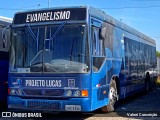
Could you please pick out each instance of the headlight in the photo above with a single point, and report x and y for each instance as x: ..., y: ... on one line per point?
x: 68, y: 93
x: 12, y: 92
x: 77, y: 93
x: 19, y: 91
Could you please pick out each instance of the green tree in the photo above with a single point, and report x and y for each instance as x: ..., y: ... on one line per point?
x: 158, y: 54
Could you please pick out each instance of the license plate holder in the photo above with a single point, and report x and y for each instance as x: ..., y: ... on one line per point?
x: 72, y: 107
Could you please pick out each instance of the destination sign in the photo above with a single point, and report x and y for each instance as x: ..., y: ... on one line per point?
x: 50, y: 15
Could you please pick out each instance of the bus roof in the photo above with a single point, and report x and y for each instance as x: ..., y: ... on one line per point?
x: 103, y: 16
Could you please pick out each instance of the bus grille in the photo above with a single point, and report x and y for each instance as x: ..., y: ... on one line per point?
x: 40, y: 105
x: 38, y: 92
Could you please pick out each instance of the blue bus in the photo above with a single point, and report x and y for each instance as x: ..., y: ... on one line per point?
x: 4, y: 59
x: 76, y: 59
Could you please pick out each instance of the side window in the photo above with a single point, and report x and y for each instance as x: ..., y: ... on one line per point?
x: 97, y: 49
x: 98, y: 45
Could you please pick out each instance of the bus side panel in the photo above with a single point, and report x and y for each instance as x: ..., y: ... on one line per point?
x: 100, y: 86
x: 132, y: 70
x: 119, y: 58
x: 139, y: 58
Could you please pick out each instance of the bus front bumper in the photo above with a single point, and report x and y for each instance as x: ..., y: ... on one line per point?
x: 72, y: 104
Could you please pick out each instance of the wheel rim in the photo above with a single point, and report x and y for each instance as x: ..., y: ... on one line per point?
x: 112, y: 96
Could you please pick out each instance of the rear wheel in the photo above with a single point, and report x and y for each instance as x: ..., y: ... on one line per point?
x: 113, y: 96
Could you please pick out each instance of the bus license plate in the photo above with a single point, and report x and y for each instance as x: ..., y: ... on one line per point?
x: 72, y: 107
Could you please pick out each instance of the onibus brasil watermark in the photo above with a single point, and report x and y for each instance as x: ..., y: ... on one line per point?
x: 19, y: 115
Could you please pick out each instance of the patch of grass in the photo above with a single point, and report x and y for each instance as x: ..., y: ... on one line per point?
x: 158, y: 81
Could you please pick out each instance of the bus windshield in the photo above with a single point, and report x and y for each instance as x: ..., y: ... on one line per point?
x: 53, y: 48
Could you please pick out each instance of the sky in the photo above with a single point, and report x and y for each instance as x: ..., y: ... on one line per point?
x: 143, y: 15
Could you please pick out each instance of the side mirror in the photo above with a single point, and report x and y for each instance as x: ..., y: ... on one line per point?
x: 103, y: 32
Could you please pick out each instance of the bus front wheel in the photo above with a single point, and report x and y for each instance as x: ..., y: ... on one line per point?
x: 113, y: 96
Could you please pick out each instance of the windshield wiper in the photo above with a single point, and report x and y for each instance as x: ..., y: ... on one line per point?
x: 35, y: 57
x: 32, y: 33
x: 58, y: 29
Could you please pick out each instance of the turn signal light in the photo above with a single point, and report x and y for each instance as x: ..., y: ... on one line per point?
x: 84, y: 93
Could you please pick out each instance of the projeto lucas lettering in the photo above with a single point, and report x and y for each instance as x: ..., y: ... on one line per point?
x: 43, y: 83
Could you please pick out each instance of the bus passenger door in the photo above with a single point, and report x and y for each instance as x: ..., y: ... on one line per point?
x: 99, y: 83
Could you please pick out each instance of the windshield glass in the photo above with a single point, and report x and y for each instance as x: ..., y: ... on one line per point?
x: 53, y: 48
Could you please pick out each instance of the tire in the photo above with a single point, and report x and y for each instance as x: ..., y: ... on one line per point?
x: 113, y: 96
